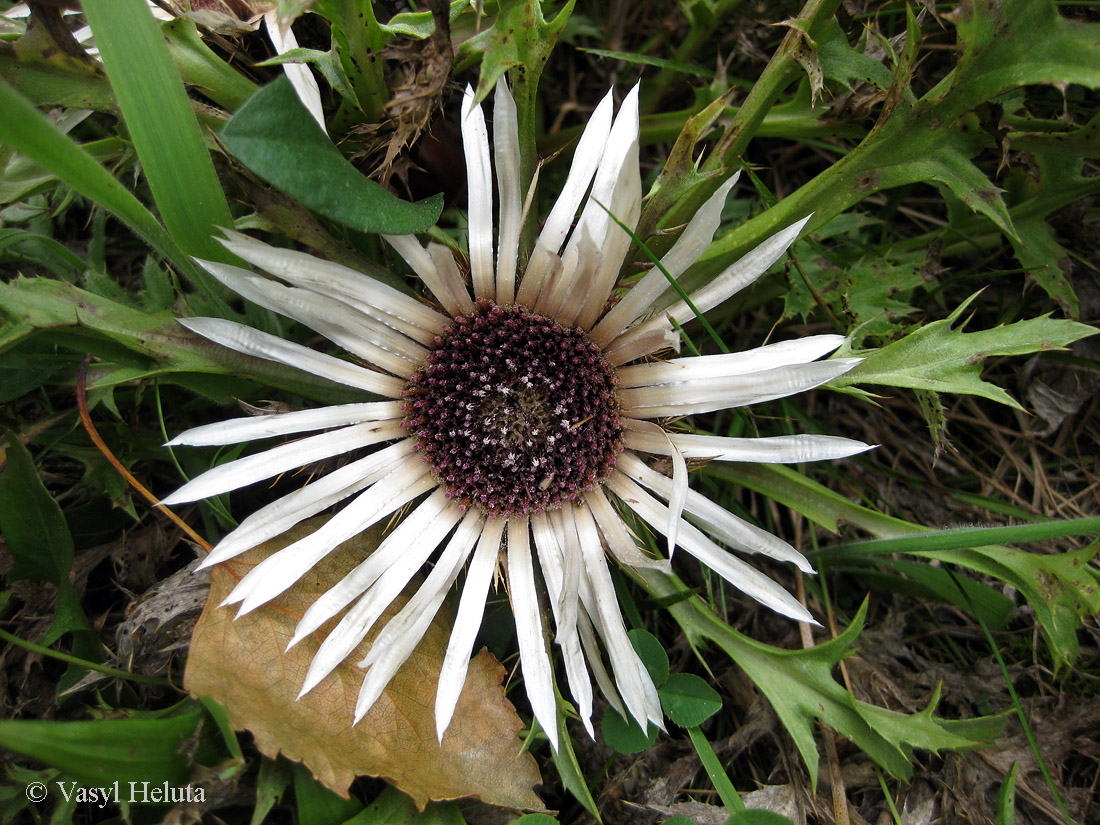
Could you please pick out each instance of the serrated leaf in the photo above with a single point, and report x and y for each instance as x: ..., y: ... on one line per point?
x: 844, y: 64
x: 689, y: 701
x: 243, y: 664
x: 274, y: 135
x: 940, y: 358
x: 923, y: 730
x: 1062, y: 589
x: 800, y: 684
x: 519, y: 37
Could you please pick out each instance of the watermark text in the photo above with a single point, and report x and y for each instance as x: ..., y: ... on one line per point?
x: 116, y: 793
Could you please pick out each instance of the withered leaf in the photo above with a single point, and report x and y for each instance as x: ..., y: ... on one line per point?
x: 242, y: 663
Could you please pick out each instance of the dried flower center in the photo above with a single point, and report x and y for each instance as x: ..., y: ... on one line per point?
x: 515, y: 412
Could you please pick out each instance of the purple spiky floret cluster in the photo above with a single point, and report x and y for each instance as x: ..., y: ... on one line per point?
x: 515, y: 412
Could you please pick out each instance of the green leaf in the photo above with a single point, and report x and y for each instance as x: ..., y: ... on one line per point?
x: 20, y: 246
x: 922, y: 581
x: 688, y: 700
x: 758, y: 817
x: 938, y: 358
x: 625, y: 735
x: 142, y: 344
x: 201, y: 67
x: 844, y: 64
x: 27, y: 131
x: 392, y: 807
x: 647, y: 60
x: 103, y: 751
x: 41, y: 545
x: 1062, y: 589
x: 801, y: 687
x: 565, y: 760
x: 1006, y: 798
x: 275, y: 136
x: 271, y: 783
x: 317, y: 805
x: 535, y: 819
x: 652, y: 653
x: 162, y: 124
x: 923, y: 730
x: 520, y: 37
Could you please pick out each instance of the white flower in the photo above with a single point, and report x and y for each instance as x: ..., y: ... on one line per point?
x: 517, y: 418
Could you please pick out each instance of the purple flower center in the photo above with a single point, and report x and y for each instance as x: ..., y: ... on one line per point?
x: 515, y: 412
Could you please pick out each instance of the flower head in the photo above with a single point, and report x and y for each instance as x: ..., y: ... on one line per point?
x: 517, y: 421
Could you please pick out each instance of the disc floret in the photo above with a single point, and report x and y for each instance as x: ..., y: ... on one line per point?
x: 515, y: 412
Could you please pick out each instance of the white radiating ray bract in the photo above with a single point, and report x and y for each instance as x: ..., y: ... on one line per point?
x: 520, y: 424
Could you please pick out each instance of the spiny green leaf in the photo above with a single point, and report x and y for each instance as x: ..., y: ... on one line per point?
x: 939, y: 358
x: 276, y: 137
x: 1062, y: 589
x: 926, y: 731
x: 801, y: 687
x: 844, y: 64
x: 520, y: 37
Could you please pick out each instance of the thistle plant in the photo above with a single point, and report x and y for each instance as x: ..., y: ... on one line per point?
x: 483, y: 478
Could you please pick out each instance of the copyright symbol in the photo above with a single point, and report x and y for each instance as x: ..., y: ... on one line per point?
x: 36, y: 791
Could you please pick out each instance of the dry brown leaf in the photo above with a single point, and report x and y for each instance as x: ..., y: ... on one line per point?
x: 242, y: 664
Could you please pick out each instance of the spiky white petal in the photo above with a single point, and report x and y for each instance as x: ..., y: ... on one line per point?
x: 237, y: 430
x: 745, y: 578
x: 251, y: 341
x: 692, y: 242
x: 479, y: 178
x: 397, y: 640
x: 471, y: 609
x: 248, y: 470
x: 534, y: 659
x: 276, y: 518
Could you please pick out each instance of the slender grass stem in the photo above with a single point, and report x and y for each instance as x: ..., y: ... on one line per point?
x: 1016, y: 704
x: 728, y: 794
x: 84, y: 663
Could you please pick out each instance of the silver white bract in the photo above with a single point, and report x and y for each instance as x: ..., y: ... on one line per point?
x: 569, y: 278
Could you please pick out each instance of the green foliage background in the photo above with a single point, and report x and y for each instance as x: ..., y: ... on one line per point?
x: 948, y: 159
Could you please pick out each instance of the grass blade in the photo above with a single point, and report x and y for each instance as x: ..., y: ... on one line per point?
x: 162, y: 124
x: 26, y: 131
